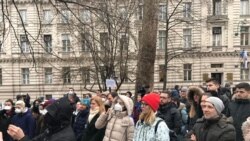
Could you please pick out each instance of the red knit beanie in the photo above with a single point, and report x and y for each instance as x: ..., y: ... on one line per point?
x: 153, y: 100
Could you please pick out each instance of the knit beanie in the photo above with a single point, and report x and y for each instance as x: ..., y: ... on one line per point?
x: 218, y: 104
x: 153, y: 100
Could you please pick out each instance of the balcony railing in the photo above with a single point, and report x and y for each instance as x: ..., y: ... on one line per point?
x: 217, y: 48
x: 217, y: 18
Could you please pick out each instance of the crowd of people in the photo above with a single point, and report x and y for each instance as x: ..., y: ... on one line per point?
x: 194, y: 113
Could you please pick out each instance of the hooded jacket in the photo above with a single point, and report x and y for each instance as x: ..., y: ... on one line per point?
x: 195, y: 107
x: 120, y: 126
x: 57, y: 120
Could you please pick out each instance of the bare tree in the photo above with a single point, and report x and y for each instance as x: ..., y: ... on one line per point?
x: 147, y: 50
x: 101, y: 31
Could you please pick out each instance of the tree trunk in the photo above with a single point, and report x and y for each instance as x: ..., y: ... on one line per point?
x: 147, y: 51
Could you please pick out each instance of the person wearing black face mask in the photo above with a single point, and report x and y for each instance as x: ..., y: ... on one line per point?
x: 57, y: 120
x: 213, y: 87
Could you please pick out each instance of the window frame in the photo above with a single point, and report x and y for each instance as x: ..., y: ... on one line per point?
x: 244, y: 7
x: 244, y: 35
x: 187, y: 38
x: 48, y: 74
x: 187, y: 9
x: 47, y: 16
x: 66, y: 44
x: 217, y: 36
x: 187, y: 72
x: 65, y: 16
x: 24, y: 43
x: 66, y: 75
x: 162, y: 14
x: 161, y: 39
x: 25, y: 76
x: 217, y: 7
x: 48, y: 43
x: 23, y: 16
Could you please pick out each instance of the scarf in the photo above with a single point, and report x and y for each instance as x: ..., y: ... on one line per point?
x: 92, y: 113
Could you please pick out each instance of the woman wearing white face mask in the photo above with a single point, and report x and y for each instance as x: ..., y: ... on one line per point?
x: 120, y: 126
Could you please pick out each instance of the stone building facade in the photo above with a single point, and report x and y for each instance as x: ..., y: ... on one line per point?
x: 205, y: 40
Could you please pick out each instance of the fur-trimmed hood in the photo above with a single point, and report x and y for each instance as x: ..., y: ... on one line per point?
x: 194, y: 90
x: 127, y: 102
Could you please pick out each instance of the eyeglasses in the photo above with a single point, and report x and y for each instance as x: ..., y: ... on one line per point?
x: 144, y: 104
x: 162, y: 97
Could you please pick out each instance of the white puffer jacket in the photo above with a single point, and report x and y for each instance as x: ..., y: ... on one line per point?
x: 120, y: 126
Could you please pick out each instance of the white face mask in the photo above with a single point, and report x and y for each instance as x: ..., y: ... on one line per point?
x: 43, y: 112
x: 7, y: 107
x: 118, y: 107
x: 103, y: 99
x: 18, y: 111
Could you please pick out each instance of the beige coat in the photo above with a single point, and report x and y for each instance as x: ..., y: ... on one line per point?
x: 120, y: 126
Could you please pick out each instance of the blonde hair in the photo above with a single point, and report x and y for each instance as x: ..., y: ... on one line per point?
x: 192, y: 112
x: 246, y: 127
x: 99, y: 102
x: 20, y: 103
x: 149, y: 117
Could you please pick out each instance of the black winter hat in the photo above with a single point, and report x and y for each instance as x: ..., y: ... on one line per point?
x: 61, y: 110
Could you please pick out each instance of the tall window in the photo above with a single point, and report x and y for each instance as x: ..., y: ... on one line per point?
x: 66, y: 75
x: 244, y: 72
x: 187, y: 38
x: 23, y: 14
x: 85, y: 74
x: 47, y: 43
x: 85, y: 16
x: 47, y: 16
x: 187, y: 10
x: 244, y: 7
x: 1, y: 77
x: 217, y: 36
x: 162, y: 39
x: 216, y: 7
x: 104, y: 40
x: 65, y: 16
x: 162, y: 14
x: 244, y: 35
x: 124, y: 41
x: 48, y: 75
x: 187, y: 70
x: 25, y: 76
x: 24, y: 44
x: 161, y: 73
x: 86, y: 42
x: 66, y: 42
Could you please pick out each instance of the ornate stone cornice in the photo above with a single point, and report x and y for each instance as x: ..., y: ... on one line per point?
x: 209, y: 54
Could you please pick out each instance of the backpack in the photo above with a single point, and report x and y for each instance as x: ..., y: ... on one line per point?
x: 172, y: 134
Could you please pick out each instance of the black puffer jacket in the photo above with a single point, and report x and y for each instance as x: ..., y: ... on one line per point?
x: 214, y: 130
x: 171, y: 115
x: 66, y: 134
x: 239, y: 110
x: 57, y: 120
